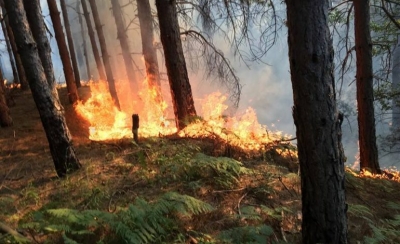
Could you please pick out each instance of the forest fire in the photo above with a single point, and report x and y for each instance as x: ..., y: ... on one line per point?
x: 107, y: 122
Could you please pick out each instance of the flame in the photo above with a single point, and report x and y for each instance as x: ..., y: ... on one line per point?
x: 107, y: 122
x: 243, y: 131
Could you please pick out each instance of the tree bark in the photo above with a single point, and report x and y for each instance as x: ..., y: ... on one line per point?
x: 85, y: 53
x: 181, y: 91
x: 396, y: 87
x: 70, y: 43
x: 50, y: 109
x: 92, y: 38
x: 21, y: 72
x: 123, y: 40
x: 317, y: 122
x: 9, y: 50
x: 104, y: 52
x: 149, y: 52
x: 5, y: 117
x: 38, y: 29
x: 365, y: 88
x: 63, y: 50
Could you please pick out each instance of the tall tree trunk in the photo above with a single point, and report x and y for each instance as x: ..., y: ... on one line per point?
x: 104, y: 52
x: 70, y: 43
x: 317, y: 122
x: 5, y: 117
x: 123, y: 40
x: 181, y: 92
x: 365, y: 88
x: 63, y: 50
x: 9, y: 50
x: 50, y: 109
x: 149, y: 52
x: 38, y: 29
x: 85, y: 53
x: 21, y: 72
x: 396, y: 87
x: 92, y: 38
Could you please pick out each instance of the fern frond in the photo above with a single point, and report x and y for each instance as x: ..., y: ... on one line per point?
x: 393, y: 205
x: 141, y: 222
x: 359, y: 210
x: 246, y: 234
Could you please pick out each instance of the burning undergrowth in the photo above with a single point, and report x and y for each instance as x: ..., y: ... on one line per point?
x: 242, y: 131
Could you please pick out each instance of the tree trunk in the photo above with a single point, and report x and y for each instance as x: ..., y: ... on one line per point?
x: 5, y: 117
x: 21, y: 72
x: 181, y: 92
x: 396, y: 87
x: 317, y: 122
x: 38, y: 29
x: 365, y: 88
x: 63, y: 50
x: 9, y: 50
x: 85, y: 53
x: 123, y: 40
x: 50, y: 109
x: 104, y: 52
x: 149, y: 52
x: 70, y: 43
x: 92, y: 38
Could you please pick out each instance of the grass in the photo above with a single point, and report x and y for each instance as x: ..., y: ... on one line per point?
x: 255, y: 196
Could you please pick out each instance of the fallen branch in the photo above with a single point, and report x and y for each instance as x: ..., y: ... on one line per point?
x: 5, y: 229
x: 280, y: 179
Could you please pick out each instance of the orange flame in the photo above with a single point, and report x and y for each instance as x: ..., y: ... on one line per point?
x: 243, y: 131
x: 106, y: 122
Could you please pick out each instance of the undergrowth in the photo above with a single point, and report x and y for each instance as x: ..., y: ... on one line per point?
x: 165, y: 191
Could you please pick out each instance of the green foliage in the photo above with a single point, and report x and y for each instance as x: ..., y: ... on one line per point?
x: 359, y: 210
x: 247, y: 234
x: 387, y: 232
x: 141, y: 222
x: 223, y: 171
x: 394, y: 205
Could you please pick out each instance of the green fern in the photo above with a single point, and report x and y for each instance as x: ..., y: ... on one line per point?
x: 247, y: 234
x: 393, y: 205
x: 141, y: 222
x: 359, y: 210
x: 388, y: 231
x: 223, y: 171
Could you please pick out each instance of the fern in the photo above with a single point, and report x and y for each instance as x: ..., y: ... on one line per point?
x: 223, y: 171
x: 141, y: 222
x: 387, y: 232
x: 393, y: 205
x: 247, y: 234
x: 359, y: 210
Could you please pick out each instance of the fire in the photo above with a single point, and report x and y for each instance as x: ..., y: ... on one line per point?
x: 242, y: 131
x: 107, y: 122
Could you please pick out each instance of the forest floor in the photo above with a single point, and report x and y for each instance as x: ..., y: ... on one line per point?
x: 167, y: 190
